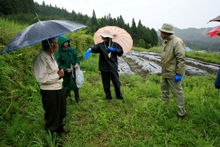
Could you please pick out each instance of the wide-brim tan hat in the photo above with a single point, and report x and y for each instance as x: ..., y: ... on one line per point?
x: 167, y: 28
x: 106, y: 34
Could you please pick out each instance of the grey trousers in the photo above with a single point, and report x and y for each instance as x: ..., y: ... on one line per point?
x: 168, y: 85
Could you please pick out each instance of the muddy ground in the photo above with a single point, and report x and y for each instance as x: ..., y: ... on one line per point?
x: 143, y: 63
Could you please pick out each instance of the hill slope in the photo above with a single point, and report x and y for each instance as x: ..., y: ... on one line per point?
x: 197, y: 39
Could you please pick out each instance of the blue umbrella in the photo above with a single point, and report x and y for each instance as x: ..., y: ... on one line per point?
x: 40, y: 31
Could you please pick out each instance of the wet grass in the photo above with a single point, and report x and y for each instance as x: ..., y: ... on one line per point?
x: 211, y: 57
x: 140, y: 120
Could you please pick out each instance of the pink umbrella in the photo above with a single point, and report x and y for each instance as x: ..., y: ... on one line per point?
x: 214, y: 33
x: 121, y: 36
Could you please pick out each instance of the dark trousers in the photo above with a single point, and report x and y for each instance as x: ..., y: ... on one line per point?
x: 54, y: 104
x: 76, y: 92
x: 114, y: 77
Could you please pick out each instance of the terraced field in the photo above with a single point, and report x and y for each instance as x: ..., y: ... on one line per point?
x: 143, y: 63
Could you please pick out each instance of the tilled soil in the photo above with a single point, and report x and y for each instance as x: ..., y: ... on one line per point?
x: 143, y: 63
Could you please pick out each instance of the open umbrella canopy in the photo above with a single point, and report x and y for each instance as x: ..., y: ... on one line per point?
x: 215, y: 19
x: 122, y: 37
x: 214, y: 32
x: 40, y: 31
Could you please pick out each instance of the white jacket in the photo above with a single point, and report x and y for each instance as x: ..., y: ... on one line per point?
x: 45, y: 68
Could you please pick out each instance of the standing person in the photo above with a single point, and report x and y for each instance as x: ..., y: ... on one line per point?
x: 67, y: 59
x: 108, y: 63
x: 173, y: 67
x: 47, y: 73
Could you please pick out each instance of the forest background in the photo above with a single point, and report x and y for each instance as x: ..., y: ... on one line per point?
x: 24, y: 12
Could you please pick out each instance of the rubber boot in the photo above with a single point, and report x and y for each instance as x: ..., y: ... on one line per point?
x: 76, y: 92
x: 71, y: 101
x: 68, y: 95
x: 60, y: 130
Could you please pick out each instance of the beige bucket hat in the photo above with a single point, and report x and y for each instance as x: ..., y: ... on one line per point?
x: 167, y: 28
x: 106, y: 34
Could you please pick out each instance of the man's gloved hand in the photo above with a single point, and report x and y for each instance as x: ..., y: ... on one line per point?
x: 177, y: 78
x: 111, y: 49
x: 87, y: 53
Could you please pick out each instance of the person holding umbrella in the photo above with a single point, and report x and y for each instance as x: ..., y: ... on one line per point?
x: 173, y: 62
x: 47, y: 73
x: 67, y: 59
x: 45, y: 67
x: 108, y: 63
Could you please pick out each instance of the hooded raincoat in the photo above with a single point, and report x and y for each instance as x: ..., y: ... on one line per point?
x: 67, y: 58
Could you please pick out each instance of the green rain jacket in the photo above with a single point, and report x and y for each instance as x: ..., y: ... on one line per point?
x: 173, y: 57
x: 67, y: 58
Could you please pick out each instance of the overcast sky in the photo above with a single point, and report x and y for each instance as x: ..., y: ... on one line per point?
x: 152, y: 13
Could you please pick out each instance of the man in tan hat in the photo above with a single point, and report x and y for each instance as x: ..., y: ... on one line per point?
x: 108, y: 63
x: 173, y: 67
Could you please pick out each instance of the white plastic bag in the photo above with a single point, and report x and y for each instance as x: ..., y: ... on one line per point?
x: 79, y: 77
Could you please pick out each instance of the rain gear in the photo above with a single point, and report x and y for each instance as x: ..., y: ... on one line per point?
x: 107, y: 64
x: 109, y: 67
x: 173, y: 57
x: 67, y: 58
x: 173, y: 62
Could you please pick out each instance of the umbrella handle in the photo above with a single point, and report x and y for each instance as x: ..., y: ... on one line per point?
x: 109, y: 55
x: 109, y: 45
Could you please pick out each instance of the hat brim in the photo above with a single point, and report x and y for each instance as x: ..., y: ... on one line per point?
x: 169, y: 32
x: 106, y: 36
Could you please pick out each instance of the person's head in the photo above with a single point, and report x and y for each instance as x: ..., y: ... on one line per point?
x: 106, y: 35
x: 63, y: 41
x: 65, y: 44
x: 166, y: 30
x: 50, y: 45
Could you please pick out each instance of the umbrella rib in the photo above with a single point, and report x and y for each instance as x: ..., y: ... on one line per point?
x: 40, y: 31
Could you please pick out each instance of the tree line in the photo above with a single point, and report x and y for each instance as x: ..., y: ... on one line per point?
x: 25, y: 12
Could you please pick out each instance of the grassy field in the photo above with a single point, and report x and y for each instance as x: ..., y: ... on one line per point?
x: 140, y: 120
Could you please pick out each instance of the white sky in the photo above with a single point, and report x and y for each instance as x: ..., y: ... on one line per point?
x: 152, y: 13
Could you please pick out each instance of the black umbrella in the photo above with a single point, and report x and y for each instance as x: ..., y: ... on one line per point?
x: 40, y: 31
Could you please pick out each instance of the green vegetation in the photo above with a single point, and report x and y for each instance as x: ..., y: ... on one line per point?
x: 197, y: 39
x: 24, y: 11
x: 140, y: 120
x: 207, y: 56
x: 153, y: 49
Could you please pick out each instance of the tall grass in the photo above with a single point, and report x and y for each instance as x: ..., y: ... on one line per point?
x: 139, y: 120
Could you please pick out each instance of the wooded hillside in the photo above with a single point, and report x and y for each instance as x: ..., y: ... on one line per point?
x: 25, y: 12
